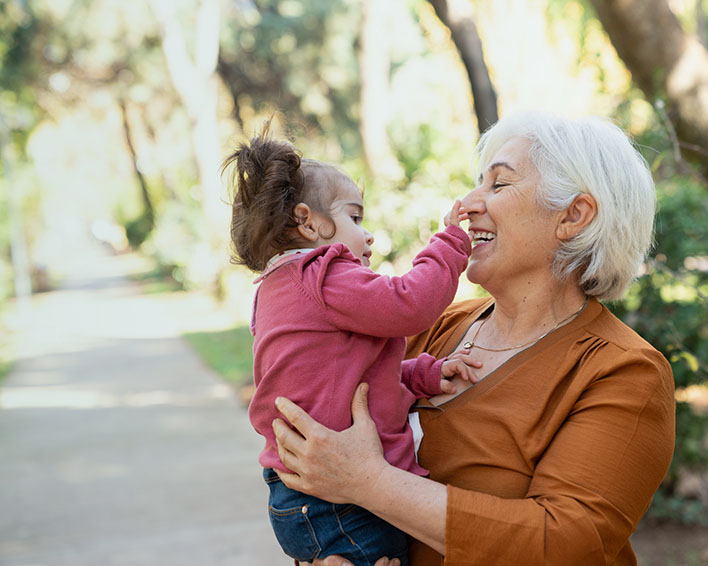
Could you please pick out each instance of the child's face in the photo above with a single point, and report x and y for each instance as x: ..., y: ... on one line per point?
x: 347, y: 212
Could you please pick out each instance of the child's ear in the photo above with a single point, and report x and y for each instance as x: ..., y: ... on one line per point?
x: 577, y: 216
x: 305, y: 222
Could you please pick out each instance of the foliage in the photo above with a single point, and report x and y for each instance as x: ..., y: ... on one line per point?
x: 64, y: 66
x: 665, y: 507
x: 138, y: 229
x: 668, y: 306
x: 296, y: 57
x: 157, y: 280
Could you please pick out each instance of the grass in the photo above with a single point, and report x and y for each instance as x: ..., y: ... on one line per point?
x: 5, y: 363
x: 5, y: 367
x: 228, y: 352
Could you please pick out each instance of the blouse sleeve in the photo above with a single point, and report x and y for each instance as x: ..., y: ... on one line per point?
x: 590, y: 487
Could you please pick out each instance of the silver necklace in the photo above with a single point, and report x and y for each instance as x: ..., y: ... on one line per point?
x: 471, y: 343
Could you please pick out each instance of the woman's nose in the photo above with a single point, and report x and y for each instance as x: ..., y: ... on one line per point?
x: 474, y: 201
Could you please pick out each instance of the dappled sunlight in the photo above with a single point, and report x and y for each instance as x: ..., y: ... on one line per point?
x: 689, y: 74
x: 696, y: 395
x: 115, y: 237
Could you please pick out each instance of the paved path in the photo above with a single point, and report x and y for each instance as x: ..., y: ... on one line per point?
x: 117, y: 445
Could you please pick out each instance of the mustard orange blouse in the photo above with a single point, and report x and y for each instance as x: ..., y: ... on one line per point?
x: 553, y: 458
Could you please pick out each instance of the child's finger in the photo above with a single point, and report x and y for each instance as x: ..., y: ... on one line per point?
x: 470, y: 361
x: 454, y: 214
x: 447, y: 386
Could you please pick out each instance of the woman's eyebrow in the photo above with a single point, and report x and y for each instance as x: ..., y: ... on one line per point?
x: 497, y: 165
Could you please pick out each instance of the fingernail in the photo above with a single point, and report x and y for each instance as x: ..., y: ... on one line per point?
x: 278, y: 401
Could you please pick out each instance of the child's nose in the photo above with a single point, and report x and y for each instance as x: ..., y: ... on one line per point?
x: 369, y: 237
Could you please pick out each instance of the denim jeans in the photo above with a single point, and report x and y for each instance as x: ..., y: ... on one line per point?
x: 307, y: 528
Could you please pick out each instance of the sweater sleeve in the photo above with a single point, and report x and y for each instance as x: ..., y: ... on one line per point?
x: 422, y: 375
x: 590, y: 487
x: 357, y: 299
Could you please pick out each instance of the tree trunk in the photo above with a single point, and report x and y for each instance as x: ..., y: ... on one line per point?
x: 375, y: 69
x: 455, y: 14
x: 149, y: 211
x: 666, y: 63
x: 228, y: 76
x: 196, y: 82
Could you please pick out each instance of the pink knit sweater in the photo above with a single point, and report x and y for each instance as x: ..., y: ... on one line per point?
x: 323, y: 323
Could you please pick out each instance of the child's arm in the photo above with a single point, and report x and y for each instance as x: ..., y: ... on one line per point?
x: 359, y: 300
x: 426, y: 376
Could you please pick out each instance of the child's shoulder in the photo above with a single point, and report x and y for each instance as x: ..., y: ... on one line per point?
x: 321, y: 258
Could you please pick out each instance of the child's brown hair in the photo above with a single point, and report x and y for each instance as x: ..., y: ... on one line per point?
x: 268, y: 181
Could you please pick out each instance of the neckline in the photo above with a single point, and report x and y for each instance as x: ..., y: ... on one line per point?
x: 280, y: 259
x: 591, y: 310
x: 472, y: 343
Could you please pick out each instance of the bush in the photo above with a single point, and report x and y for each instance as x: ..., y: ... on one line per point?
x: 668, y: 306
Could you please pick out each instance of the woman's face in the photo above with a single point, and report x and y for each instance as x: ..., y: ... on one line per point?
x: 513, y: 238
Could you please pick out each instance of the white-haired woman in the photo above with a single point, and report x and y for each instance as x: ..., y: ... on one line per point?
x: 553, y: 457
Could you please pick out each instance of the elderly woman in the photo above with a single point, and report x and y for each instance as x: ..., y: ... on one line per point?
x: 553, y: 457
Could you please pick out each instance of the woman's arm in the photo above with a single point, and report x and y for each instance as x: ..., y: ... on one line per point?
x: 588, y: 492
x: 355, y: 471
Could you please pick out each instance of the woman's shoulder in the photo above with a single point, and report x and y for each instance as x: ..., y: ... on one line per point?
x: 612, y: 330
x: 615, y: 345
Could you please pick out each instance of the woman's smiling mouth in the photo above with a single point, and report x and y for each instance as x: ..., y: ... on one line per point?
x: 481, y: 236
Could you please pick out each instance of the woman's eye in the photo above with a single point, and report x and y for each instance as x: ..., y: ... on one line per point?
x: 498, y: 186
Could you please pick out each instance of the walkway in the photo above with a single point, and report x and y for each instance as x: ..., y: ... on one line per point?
x: 117, y: 445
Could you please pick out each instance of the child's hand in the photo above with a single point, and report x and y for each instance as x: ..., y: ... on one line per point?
x: 461, y: 364
x: 456, y: 215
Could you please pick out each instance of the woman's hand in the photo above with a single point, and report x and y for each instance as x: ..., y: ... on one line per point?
x: 335, y: 560
x: 341, y: 467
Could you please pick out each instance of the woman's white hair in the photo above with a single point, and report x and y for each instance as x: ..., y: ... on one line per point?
x: 593, y: 156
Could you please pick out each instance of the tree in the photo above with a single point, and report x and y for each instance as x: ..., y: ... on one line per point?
x: 456, y: 16
x: 375, y: 65
x: 19, y: 55
x: 667, y: 64
x: 196, y: 82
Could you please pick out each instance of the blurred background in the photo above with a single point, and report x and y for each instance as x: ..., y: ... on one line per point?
x: 115, y: 117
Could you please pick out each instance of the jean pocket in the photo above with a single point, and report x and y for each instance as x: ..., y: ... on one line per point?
x: 293, y: 529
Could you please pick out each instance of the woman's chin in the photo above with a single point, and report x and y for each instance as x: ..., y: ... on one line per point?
x: 474, y: 272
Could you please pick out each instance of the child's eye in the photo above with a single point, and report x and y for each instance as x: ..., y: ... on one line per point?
x: 356, y: 218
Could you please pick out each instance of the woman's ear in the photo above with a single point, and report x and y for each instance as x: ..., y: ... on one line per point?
x: 305, y: 222
x: 577, y: 216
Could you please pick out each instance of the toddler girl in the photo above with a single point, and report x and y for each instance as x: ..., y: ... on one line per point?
x: 324, y: 322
